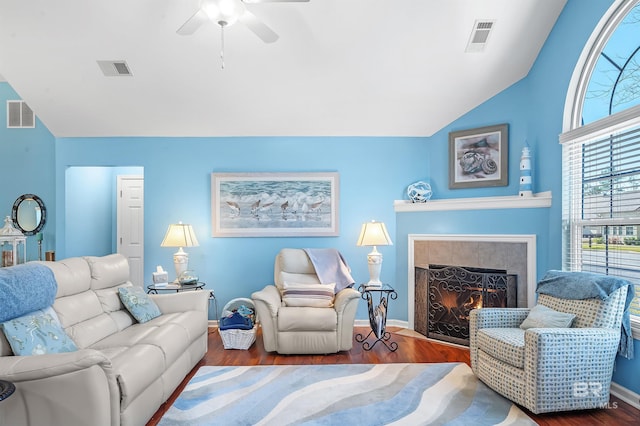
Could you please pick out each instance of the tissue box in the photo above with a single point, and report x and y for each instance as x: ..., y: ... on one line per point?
x: 160, y: 277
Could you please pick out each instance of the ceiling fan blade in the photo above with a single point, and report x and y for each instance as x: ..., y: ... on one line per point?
x: 258, y: 27
x: 193, y: 23
x: 274, y: 1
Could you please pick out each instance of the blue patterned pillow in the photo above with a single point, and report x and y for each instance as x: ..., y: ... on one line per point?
x: 541, y: 316
x: 138, y: 303
x: 37, y: 333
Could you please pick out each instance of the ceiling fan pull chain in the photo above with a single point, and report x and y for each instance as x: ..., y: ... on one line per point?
x: 222, y: 24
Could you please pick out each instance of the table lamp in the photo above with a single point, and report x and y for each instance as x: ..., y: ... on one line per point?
x: 180, y: 235
x: 374, y: 234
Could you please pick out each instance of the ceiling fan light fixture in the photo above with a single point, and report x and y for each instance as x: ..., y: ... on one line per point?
x: 224, y: 12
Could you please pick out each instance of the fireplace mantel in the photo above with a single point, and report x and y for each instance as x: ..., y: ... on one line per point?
x: 539, y: 200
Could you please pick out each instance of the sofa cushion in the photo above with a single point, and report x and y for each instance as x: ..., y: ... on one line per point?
x: 587, y: 311
x: 108, y: 271
x: 37, y: 333
x: 542, y: 317
x: 136, y: 376
x: 505, y: 344
x: 312, y: 295
x: 139, y: 303
x: 72, y: 275
x: 83, y: 319
x: 307, y: 319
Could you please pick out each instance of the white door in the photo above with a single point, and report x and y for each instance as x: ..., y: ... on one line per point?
x: 130, y: 224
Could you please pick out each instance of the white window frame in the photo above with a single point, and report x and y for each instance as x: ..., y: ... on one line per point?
x: 574, y: 133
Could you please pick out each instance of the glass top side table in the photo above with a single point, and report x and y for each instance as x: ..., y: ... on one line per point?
x: 377, y: 315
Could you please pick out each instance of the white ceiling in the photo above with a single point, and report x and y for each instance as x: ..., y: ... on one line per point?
x: 339, y: 68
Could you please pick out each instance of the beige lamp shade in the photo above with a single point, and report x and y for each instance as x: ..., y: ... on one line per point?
x: 374, y: 234
x: 180, y: 235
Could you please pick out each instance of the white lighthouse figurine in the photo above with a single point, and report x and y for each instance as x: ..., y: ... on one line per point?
x: 526, y: 183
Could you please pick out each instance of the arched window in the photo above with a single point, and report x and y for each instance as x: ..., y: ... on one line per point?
x: 614, y: 84
x: 601, y: 153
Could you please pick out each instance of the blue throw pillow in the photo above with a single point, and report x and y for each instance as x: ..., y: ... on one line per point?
x: 138, y: 303
x: 37, y: 333
x: 541, y: 316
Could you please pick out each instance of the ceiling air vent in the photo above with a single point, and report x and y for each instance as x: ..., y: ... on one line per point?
x: 20, y: 116
x: 115, y: 68
x: 479, y: 35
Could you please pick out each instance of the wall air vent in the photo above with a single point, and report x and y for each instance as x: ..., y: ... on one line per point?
x: 115, y: 68
x: 20, y: 116
x: 479, y: 35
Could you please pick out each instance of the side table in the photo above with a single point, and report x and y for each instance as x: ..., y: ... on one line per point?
x: 377, y: 315
x: 154, y: 288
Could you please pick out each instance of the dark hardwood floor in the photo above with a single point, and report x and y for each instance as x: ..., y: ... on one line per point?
x: 410, y: 349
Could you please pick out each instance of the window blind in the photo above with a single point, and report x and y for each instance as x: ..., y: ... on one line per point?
x: 601, y: 203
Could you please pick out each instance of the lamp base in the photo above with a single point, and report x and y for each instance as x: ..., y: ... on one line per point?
x: 374, y: 259
x: 180, y: 262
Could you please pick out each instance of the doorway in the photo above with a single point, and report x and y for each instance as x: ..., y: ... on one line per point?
x: 91, y: 214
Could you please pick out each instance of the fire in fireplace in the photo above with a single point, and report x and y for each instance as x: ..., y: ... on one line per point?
x: 453, y: 291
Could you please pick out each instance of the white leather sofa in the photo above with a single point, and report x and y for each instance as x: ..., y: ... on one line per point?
x: 303, y: 330
x: 123, y: 370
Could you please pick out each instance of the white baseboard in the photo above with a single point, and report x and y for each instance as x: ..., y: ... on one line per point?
x: 628, y: 396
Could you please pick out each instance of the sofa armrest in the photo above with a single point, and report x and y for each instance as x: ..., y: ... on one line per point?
x: 196, y: 300
x: 20, y: 368
x: 267, y: 303
x: 573, y: 341
x: 575, y: 365
x: 491, y: 318
x: 497, y: 317
x: 343, y: 297
x: 269, y: 299
x: 68, y: 388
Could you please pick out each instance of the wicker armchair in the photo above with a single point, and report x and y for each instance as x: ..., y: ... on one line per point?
x: 550, y: 369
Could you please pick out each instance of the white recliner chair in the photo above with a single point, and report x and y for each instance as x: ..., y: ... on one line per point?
x: 303, y: 329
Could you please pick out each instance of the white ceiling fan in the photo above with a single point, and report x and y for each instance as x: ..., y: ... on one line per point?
x: 227, y: 12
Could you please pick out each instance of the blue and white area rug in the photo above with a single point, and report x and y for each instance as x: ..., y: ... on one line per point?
x: 343, y: 394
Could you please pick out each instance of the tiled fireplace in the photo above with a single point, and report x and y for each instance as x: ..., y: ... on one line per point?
x: 512, y: 256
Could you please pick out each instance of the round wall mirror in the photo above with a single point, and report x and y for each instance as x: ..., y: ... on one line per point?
x: 29, y: 214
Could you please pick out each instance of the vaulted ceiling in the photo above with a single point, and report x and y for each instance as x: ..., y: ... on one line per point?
x: 339, y: 67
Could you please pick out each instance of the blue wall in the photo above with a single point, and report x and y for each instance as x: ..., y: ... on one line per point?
x: 27, y: 158
x: 90, y: 209
x: 373, y: 173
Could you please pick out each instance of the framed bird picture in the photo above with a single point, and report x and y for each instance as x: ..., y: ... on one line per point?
x: 275, y: 204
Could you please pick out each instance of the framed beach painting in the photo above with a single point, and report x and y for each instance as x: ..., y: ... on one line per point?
x: 274, y: 204
x: 479, y: 157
